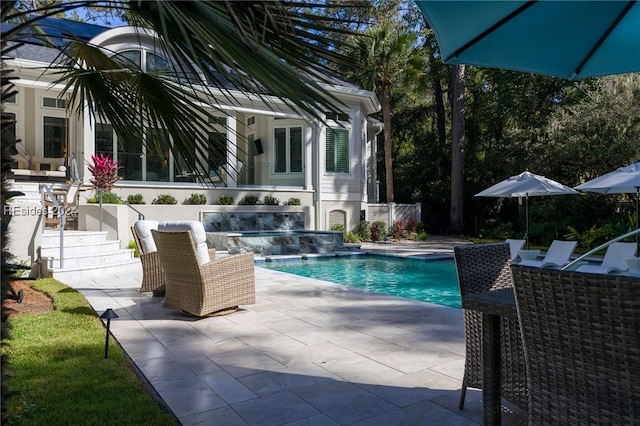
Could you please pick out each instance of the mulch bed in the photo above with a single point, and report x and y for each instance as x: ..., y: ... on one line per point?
x: 33, y: 302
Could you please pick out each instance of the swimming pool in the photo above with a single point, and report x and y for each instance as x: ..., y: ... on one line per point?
x: 432, y: 281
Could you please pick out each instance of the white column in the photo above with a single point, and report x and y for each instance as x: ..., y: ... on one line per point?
x: 232, y: 149
x: 88, y: 142
x: 309, y: 160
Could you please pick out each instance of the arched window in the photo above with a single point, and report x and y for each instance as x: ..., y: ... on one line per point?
x: 143, y: 60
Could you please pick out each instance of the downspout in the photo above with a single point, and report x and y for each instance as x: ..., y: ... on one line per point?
x: 316, y: 163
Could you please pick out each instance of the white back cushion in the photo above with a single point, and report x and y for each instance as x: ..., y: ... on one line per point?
x: 197, y: 232
x: 143, y: 229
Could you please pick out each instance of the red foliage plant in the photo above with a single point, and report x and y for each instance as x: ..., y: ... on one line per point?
x: 104, y: 171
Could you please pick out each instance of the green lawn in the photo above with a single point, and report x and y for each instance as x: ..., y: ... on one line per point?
x: 56, y: 363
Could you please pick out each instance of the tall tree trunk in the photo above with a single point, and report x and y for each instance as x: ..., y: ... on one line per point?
x: 388, y: 154
x: 456, y: 218
x: 440, y: 113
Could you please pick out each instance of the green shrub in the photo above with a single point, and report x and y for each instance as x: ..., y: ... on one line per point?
x: 135, y: 199
x: 423, y: 236
x: 250, y: 200
x: 378, y: 230
x: 499, y: 231
x: 165, y: 199
x: 337, y: 227
x: 199, y: 199
x: 591, y: 237
x: 293, y: 201
x: 133, y: 246
x: 226, y: 200
x: 364, y: 230
x: 270, y: 200
x: 351, y: 237
x: 107, y: 198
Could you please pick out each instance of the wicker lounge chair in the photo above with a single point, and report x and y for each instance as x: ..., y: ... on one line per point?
x: 152, y: 275
x: 485, y: 267
x: 581, y: 336
x: 196, y: 284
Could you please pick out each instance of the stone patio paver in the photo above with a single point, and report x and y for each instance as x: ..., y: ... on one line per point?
x: 308, y: 352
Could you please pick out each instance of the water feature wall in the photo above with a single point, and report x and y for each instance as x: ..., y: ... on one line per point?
x: 262, y: 220
x: 267, y: 233
x: 278, y: 243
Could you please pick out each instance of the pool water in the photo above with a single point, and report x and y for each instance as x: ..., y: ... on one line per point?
x: 432, y: 281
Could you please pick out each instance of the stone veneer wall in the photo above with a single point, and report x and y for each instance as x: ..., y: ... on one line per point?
x: 252, y: 221
x: 285, y: 243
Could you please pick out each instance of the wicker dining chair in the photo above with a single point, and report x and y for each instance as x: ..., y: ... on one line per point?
x: 152, y: 274
x: 199, y: 286
x: 485, y: 267
x: 581, y: 336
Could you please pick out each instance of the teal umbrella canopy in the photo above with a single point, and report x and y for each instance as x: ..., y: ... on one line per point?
x: 569, y: 39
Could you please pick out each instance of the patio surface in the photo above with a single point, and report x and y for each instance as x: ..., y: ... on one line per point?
x: 308, y: 352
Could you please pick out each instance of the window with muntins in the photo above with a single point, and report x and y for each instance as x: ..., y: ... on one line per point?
x: 54, y: 103
x: 337, y: 151
x: 288, y: 149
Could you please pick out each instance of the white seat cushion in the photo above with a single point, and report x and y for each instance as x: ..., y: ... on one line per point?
x: 197, y: 232
x: 143, y: 229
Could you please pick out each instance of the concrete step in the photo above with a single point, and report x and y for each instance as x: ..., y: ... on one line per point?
x: 81, y: 249
x: 31, y: 191
x: 96, y: 260
x: 86, y: 254
x: 51, y: 238
x: 78, y: 273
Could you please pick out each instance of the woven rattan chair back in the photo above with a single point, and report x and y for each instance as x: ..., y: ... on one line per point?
x: 153, y: 278
x: 485, y: 267
x: 204, y: 289
x: 581, y: 336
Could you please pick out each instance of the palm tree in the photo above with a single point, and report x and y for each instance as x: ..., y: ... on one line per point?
x: 385, y: 56
x: 272, y: 48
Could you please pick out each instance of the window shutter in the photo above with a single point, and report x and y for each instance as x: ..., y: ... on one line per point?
x: 342, y: 151
x: 330, y: 151
x: 337, y: 155
x: 280, y: 141
x: 295, y: 137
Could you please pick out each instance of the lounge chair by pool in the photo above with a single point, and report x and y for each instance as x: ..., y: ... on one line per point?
x: 613, y: 260
x: 557, y: 256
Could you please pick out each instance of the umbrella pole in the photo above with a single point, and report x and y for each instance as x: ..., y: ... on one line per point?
x: 638, y: 218
x: 526, y: 209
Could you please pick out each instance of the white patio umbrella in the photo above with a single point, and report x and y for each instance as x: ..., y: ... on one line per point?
x: 526, y: 185
x: 625, y: 180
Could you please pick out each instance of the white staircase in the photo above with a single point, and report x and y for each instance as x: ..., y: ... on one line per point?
x: 85, y: 254
x: 31, y: 191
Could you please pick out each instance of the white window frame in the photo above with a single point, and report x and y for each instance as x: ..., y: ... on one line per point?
x: 288, y: 150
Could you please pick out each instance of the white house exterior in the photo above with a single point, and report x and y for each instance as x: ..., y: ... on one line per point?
x: 329, y: 167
